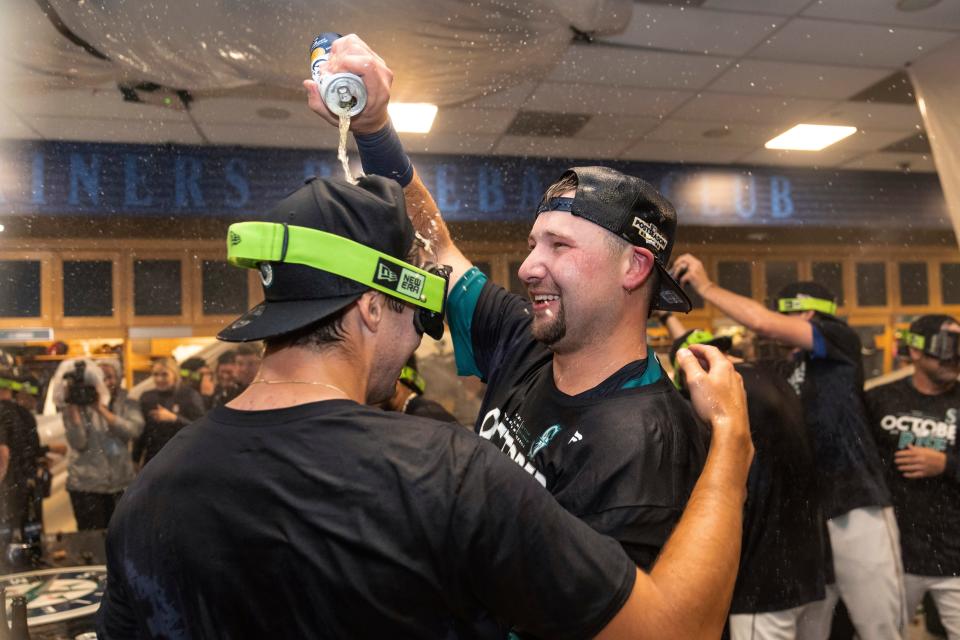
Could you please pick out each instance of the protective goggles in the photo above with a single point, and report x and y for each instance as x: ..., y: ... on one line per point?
x: 790, y: 305
x: 412, y: 378
x: 251, y: 243
x: 195, y: 376
x: 15, y: 385
x: 944, y: 345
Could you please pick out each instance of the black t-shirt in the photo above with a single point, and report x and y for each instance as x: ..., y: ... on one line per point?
x: 928, y: 509
x: 829, y: 380
x: 623, y: 457
x: 338, y: 520
x: 20, y: 427
x: 420, y: 406
x: 782, y: 561
x: 182, y: 400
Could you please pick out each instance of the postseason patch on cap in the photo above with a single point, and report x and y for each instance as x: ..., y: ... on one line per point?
x: 399, y: 279
x: 650, y: 233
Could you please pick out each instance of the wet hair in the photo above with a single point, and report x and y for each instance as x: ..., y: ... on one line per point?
x: 317, y: 336
x: 568, y: 182
x: 248, y: 350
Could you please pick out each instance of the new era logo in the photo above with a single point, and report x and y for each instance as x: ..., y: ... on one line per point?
x: 386, y: 274
x: 234, y: 238
x: 576, y: 437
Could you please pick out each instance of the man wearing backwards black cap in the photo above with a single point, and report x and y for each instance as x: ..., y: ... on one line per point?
x: 573, y: 394
x: 783, y: 555
x: 826, y: 371
x: 915, y: 425
x: 298, y: 511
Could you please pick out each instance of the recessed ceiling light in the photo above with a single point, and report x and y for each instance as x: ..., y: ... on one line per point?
x: 916, y: 5
x: 273, y: 113
x: 2, y: 228
x: 810, y: 137
x: 412, y: 117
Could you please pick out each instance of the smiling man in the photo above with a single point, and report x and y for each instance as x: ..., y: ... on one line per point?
x: 574, y: 396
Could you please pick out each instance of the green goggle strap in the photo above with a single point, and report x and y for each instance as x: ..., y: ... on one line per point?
x: 187, y: 374
x: 6, y: 383
x: 913, y: 340
x: 788, y: 305
x: 14, y: 385
x: 251, y: 243
x: 410, y: 376
x: 699, y: 336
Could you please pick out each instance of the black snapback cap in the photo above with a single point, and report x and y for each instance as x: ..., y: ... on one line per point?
x: 371, y: 212
x: 634, y: 210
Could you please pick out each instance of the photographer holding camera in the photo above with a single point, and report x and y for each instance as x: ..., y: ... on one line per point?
x: 100, y: 422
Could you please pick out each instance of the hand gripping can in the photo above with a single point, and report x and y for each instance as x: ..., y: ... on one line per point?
x: 343, y: 93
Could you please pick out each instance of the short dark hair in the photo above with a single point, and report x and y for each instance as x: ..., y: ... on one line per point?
x: 227, y: 357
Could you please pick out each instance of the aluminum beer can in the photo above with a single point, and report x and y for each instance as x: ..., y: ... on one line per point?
x: 343, y: 93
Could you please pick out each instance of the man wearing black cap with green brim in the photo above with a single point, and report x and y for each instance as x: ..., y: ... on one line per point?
x: 826, y: 371
x: 784, y: 553
x: 915, y: 425
x: 574, y: 395
x: 299, y: 511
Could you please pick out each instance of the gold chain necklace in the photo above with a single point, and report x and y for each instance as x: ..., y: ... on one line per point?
x: 321, y: 384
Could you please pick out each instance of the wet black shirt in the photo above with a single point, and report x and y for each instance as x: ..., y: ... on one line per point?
x: 623, y: 457
x: 337, y: 520
x: 783, y: 557
x: 829, y: 380
x: 927, y: 509
x: 425, y: 408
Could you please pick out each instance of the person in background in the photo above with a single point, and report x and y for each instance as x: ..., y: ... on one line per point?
x: 99, y: 465
x: 826, y: 371
x: 226, y: 377
x: 197, y: 373
x: 914, y: 422
x: 783, y: 562
x: 408, y: 396
x: 247, y: 364
x: 23, y: 442
x: 166, y: 409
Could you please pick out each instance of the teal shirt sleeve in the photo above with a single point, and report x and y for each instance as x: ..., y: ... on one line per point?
x: 461, y: 304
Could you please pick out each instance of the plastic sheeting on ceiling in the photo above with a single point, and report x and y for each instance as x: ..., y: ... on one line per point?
x: 442, y: 51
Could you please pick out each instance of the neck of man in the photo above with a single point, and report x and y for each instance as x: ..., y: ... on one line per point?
x: 296, y: 376
x: 586, y: 367
x: 928, y: 386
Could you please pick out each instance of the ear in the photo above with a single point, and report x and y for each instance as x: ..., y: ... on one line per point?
x: 371, y: 307
x: 639, y: 268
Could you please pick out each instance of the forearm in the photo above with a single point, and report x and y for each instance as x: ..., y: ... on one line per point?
x: 428, y: 222
x: 674, y: 327
x: 75, y: 428
x: 120, y: 426
x: 4, y: 461
x: 745, y: 311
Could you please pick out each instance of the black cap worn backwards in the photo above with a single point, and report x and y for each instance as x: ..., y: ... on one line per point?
x: 633, y: 210
x: 372, y: 213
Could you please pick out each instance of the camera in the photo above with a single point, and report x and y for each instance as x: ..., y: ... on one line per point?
x: 79, y: 392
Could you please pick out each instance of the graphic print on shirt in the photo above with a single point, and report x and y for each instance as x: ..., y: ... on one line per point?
x: 544, y: 439
x: 798, y: 377
x: 921, y: 430
x: 511, y: 437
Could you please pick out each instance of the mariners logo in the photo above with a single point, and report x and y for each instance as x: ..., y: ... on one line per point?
x: 544, y: 440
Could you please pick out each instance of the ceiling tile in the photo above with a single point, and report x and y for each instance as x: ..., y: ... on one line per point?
x: 778, y: 7
x: 623, y: 66
x: 847, y: 43
x: 566, y: 148
x: 110, y: 130
x: 749, y: 109
x: 252, y: 112
x: 88, y: 103
x: 694, y: 30
x: 593, y: 99
x: 475, y: 121
x: 738, y: 134
x: 867, y: 115
x: 866, y: 140
x: 795, y: 79
x: 616, y: 127
x: 945, y: 15
x: 14, y: 128
x: 893, y: 162
x: 512, y: 97
x: 278, y: 135
x: 829, y: 157
x: 683, y: 152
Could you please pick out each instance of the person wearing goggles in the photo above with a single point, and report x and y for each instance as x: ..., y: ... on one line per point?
x: 914, y: 423
x: 826, y: 370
